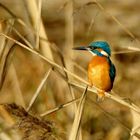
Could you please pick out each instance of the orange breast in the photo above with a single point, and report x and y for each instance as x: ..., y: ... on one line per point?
x: 98, y: 73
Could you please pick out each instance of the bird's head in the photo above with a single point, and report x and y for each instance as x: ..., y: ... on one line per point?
x: 100, y: 48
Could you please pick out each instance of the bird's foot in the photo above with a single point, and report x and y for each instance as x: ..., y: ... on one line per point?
x: 100, y: 96
x: 90, y: 85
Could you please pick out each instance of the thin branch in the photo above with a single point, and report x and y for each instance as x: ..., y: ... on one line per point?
x: 22, y: 37
x: 15, y: 17
x: 133, y: 48
x: 114, y: 118
x: 38, y: 23
x: 62, y: 57
x: 92, y: 23
x: 134, y: 132
x: 78, y: 116
x: 106, y: 13
x: 8, y: 10
x: 115, y: 98
x: 18, y: 95
x: 116, y: 20
x: 93, y: 89
x: 46, y: 59
x: 6, y: 64
x: 108, y: 114
x: 59, y: 107
x: 130, y: 102
x: 124, y: 52
x: 39, y: 88
x: 69, y: 45
x: 33, y: 12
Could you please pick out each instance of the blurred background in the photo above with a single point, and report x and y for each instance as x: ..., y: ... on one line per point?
x: 68, y: 24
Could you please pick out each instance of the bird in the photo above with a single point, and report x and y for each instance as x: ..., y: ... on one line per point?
x: 101, y: 71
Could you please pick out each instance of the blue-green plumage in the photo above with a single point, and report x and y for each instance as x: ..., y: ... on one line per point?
x: 101, y: 49
x: 112, y: 71
x: 104, y: 46
x: 101, y: 45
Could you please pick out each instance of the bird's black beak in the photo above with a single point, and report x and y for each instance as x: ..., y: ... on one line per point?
x: 81, y: 48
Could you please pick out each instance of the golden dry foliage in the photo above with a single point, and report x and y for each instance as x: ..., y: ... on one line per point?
x: 41, y: 74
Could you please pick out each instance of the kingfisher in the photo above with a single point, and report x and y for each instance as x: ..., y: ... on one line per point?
x: 101, y: 70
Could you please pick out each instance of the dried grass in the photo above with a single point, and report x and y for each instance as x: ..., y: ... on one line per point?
x: 63, y: 78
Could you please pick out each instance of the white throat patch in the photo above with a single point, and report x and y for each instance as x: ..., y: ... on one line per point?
x: 104, y: 53
x: 94, y: 54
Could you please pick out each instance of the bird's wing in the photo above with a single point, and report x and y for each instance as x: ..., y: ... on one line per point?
x: 112, y: 71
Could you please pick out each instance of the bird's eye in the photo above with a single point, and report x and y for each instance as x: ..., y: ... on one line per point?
x: 92, y: 48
